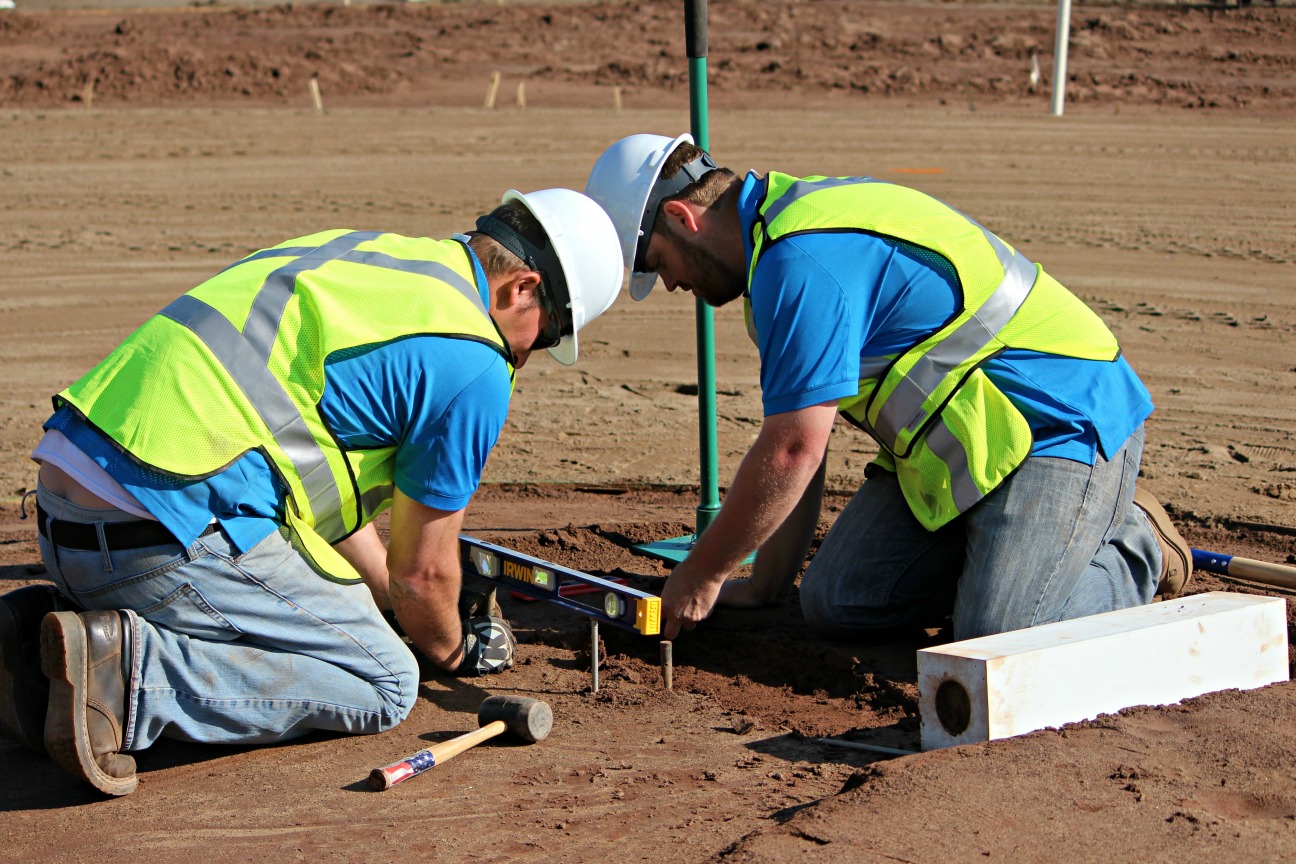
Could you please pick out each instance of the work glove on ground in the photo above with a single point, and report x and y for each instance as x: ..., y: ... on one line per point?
x: 488, y: 646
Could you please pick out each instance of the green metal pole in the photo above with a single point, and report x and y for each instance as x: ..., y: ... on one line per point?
x: 677, y: 549
x: 695, y: 40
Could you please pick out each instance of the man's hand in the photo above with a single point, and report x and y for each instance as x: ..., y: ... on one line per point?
x: 688, y: 597
x: 782, y: 472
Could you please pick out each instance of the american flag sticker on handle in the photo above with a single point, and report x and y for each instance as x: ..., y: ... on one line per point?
x: 390, y: 775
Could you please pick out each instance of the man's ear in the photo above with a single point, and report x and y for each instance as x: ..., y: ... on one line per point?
x: 681, y: 215
x: 528, y: 287
x: 519, y: 288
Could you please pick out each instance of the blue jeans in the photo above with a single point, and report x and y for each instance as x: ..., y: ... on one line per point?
x: 1058, y: 540
x: 237, y: 649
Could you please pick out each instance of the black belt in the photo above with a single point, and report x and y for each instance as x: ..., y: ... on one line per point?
x: 136, y: 534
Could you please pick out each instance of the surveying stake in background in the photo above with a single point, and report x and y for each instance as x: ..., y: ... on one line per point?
x: 611, y: 602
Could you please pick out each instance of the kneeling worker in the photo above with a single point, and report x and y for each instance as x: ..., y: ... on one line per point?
x: 207, y: 492
x: 1010, y: 426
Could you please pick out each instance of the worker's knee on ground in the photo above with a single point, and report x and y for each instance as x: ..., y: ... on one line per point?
x: 836, y: 620
x: 978, y: 623
x: 399, y: 693
x: 842, y: 609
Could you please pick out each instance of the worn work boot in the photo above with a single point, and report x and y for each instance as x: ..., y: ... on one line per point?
x: 1176, y: 554
x: 24, y: 689
x: 82, y: 657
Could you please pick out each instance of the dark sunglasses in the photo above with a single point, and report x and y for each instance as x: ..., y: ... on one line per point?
x: 552, y: 334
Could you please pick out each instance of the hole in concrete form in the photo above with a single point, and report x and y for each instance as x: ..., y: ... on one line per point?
x: 953, y: 707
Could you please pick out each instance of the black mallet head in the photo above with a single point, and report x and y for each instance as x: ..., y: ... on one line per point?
x: 529, y: 719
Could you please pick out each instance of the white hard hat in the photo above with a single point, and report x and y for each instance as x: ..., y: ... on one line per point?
x: 589, y: 269
x: 624, y: 182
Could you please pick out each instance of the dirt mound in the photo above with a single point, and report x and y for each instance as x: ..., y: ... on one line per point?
x: 573, y: 54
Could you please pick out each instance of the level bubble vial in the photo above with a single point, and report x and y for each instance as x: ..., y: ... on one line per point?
x: 485, y: 563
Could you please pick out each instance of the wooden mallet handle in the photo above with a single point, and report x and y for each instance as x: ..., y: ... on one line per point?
x: 416, y: 763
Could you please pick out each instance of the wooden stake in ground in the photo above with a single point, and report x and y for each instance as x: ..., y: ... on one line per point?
x: 594, y: 655
x: 521, y: 96
x: 616, y: 99
x: 87, y: 95
x: 315, y: 95
x: 492, y: 90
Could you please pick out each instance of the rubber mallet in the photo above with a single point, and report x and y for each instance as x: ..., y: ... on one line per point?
x: 528, y: 719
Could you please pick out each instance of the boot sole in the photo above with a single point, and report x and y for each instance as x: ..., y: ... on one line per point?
x: 63, y: 658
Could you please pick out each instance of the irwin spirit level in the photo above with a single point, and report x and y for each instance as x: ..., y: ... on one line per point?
x: 610, y: 602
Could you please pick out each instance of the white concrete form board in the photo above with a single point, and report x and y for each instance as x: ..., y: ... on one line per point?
x: 1014, y: 683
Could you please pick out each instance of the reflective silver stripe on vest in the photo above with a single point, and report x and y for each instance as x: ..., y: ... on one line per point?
x: 262, y: 327
x: 903, y: 409
x: 801, y: 188
x: 963, y: 489
x: 272, y: 404
x: 277, y: 252
x: 246, y: 355
x: 431, y: 269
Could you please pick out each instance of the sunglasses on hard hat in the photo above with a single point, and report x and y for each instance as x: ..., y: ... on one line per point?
x: 552, y: 334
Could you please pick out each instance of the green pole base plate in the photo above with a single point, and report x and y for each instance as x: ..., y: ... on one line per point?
x: 675, y: 549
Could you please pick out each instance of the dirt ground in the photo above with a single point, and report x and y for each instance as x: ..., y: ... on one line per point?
x: 1164, y: 197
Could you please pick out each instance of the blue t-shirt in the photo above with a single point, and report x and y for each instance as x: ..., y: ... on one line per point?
x: 827, y: 305
x: 441, y: 401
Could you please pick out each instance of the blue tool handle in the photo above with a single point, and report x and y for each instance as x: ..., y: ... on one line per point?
x: 1237, y: 567
x: 1211, y: 562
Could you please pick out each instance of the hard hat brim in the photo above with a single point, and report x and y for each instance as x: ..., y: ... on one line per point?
x: 641, y: 285
x: 565, y: 352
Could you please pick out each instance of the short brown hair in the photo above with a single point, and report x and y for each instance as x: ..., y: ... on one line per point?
x: 705, y: 192
x: 495, y: 259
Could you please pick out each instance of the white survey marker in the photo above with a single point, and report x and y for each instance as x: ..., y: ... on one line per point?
x: 1014, y: 683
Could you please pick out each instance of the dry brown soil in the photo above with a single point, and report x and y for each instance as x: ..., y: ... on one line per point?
x: 1165, y: 197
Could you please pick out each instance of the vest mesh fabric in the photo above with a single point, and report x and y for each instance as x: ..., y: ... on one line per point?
x: 956, y: 436
x: 167, y: 399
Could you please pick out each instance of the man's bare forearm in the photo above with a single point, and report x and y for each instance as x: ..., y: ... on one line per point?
x: 364, y: 551
x: 423, y: 561
x: 426, y: 605
x: 771, y: 482
x: 781, y: 556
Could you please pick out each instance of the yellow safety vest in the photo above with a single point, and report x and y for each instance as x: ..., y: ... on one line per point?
x: 945, y: 429
x: 237, y: 364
